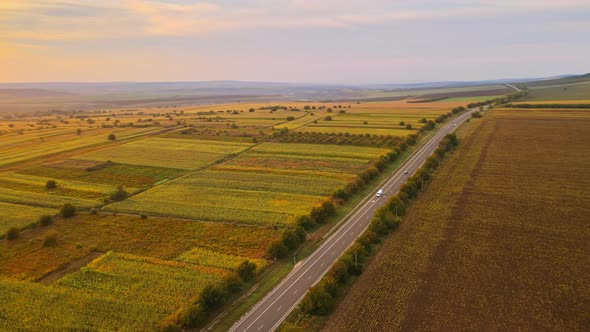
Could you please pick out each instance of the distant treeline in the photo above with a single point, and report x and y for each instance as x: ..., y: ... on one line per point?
x: 548, y: 105
x: 426, y: 100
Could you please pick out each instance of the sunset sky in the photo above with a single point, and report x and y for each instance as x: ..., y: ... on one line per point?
x: 323, y: 41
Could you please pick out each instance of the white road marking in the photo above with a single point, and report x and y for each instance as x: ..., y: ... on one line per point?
x: 261, y: 326
x: 279, y: 308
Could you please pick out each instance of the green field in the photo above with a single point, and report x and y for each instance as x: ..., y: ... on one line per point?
x: 16, y: 215
x: 168, y: 152
x: 561, y: 92
x: 270, y: 184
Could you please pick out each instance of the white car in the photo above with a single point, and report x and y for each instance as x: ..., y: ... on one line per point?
x: 406, y: 171
x: 380, y: 193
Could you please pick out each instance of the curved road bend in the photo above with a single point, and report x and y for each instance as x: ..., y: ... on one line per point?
x: 270, y: 312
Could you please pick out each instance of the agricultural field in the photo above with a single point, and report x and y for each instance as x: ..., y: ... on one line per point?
x: 35, y: 144
x: 17, y: 215
x: 167, y: 152
x: 208, y: 187
x: 166, y: 239
x: 560, y: 90
x: 379, y: 118
x: 270, y: 184
x: 499, y: 240
x: 144, y: 271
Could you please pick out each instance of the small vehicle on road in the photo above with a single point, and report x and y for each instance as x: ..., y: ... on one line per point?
x: 406, y: 171
x: 380, y: 193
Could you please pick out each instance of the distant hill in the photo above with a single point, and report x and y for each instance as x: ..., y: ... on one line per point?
x: 31, y: 93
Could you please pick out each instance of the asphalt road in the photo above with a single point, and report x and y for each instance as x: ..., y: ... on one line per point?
x: 270, y: 312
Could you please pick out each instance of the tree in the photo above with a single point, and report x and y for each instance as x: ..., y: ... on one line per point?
x: 290, y: 240
x: 305, y: 222
x: 119, y: 194
x: 341, y: 194
x: 112, y: 137
x: 67, y: 210
x: 277, y: 250
x: 212, y: 296
x: 290, y: 118
x: 408, y: 126
x: 246, y: 270
x: 51, y: 184
x: 318, y: 301
x: 79, y: 132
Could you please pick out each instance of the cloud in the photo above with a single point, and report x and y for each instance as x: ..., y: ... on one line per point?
x: 47, y: 20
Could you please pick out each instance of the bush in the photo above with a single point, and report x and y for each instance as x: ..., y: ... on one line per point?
x: 321, y: 213
x: 45, y: 220
x: 290, y: 240
x: 318, y: 301
x: 67, y: 210
x: 247, y: 270
x: 212, y: 296
x: 12, y: 233
x: 50, y: 239
x: 119, y: 194
x: 290, y: 118
x: 341, y: 194
x: 305, y: 222
x: 93, y: 211
x: 277, y: 250
x: 112, y: 137
x: 51, y: 184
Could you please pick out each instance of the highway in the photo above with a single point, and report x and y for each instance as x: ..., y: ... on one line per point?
x: 270, y: 312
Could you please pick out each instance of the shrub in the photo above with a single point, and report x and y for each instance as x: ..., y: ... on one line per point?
x: 93, y: 211
x: 119, y: 194
x: 277, y: 250
x: 12, y: 233
x: 112, y: 137
x: 290, y: 240
x: 50, y: 239
x: 67, y: 210
x: 45, y: 220
x: 290, y: 118
x: 318, y: 301
x: 341, y: 194
x: 305, y: 222
x: 247, y: 270
x: 51, y: 184
x: 212, y: 296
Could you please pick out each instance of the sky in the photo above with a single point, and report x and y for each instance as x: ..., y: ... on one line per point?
x: 311, y: 41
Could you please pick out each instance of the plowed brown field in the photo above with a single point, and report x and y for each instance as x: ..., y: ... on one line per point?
x: 499, y: 241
